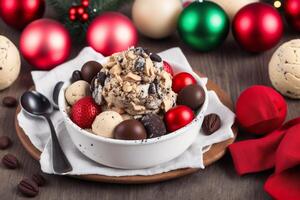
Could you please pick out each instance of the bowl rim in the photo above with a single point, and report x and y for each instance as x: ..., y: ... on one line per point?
x: 62, y: 109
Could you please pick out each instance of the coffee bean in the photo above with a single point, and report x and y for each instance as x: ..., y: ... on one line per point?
x: 28, y: 187
x: 5, y: 142
x: 9, y: 101
x: 211, y: 123
x: 10, y: 161
x: 39, y: 179
x: 76, y: 76
x: 155, y: 57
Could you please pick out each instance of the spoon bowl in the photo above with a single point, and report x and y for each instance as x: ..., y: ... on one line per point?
x: 34, y: 103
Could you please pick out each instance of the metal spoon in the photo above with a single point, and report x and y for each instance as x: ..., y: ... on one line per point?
x: 55, y: 94
x: 37, y: 105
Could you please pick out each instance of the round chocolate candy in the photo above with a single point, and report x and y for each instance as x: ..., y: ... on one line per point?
x: 154, y: 125
x: 130, y: 129
x: 89, y: 70
x: 192, y: 96
x: 76, y: 76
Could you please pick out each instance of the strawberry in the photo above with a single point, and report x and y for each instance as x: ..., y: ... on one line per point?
x: 168, y: 68
x: 84, y: 111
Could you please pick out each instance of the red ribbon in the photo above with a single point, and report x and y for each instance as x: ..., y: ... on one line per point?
x: 280, y: 149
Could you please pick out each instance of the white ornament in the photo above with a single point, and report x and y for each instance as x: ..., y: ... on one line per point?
x: 156, y: 18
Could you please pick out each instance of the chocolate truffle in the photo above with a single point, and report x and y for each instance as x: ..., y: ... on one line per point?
x: 192, y: 96
x: 89, y: 70
x: 211, y: 123
x: 154, y: 125
x: 130, y: 129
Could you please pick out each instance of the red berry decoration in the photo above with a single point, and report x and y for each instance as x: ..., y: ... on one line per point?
x: 168, y: 68
x: 292, y: 13
x: 85, y: 3
x: 182, y: 80
x: 84, y: 17
x: 80, y: 10
x: 177, y: 117
x: 260, y: 109
x: 84, y: 112
x: 257, y: 27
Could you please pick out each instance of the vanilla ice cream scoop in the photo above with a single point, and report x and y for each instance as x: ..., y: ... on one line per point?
x: 105, y: 123
x: 10, y: 62
x: 284, y: 69
x: 76, y: 91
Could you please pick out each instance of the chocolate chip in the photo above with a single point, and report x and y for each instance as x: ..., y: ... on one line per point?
x: 9, y: 101
x: 147, y: 51
x: 5, y: 142
x: 139, y: 64
x: 10, y: 161
x: 211, y: 123
x: 154, y: 57
x: 139, y: 51
x: 152, y: 88
x: 39, y: 179
x: 154, y: 125
x: 76, y: 76
x: 28, y: 187
x: 99, y: 78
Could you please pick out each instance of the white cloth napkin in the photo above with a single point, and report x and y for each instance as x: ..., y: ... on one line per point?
x: 39, y: 134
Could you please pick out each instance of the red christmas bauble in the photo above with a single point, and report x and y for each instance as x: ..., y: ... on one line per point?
x: 111, y: 32
x: 260, y: 109
x: 257, y: 27
x: 19, y: 13
x: 178, y: 117
x: 292, y: 13
x: 182, y: 80
x: 168, y: 68
x: 45, y: 43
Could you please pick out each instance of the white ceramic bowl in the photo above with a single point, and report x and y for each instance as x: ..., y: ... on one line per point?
x: 134, y: 154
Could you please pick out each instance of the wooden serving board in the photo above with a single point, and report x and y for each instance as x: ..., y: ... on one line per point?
x: 215, y: 153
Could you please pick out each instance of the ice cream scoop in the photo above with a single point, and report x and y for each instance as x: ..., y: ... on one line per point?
x: 10, y: 62
x: 284, y: 69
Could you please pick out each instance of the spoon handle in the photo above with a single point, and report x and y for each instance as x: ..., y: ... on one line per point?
x: 60, y: 161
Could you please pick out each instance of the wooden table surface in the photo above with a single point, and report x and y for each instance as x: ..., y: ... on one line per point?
x: 229, y: 66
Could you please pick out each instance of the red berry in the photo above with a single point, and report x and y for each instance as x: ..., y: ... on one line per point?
x: 182, y: 80
x: 80, y: 10
x: 72, y: 11
x: 84, y: 112
x: 85, y: 3
x: 72, y: 17
x: 84, y: 17
x: 168, y: 68
x: 178, y: 117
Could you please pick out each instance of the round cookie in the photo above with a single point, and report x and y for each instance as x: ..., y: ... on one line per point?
x: 105, y: 123
x: 10, y: 62
x: 76, y: 91
x: 284, y: 69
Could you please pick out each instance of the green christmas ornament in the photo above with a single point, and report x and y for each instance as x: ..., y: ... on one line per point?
x: 203, y: 25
